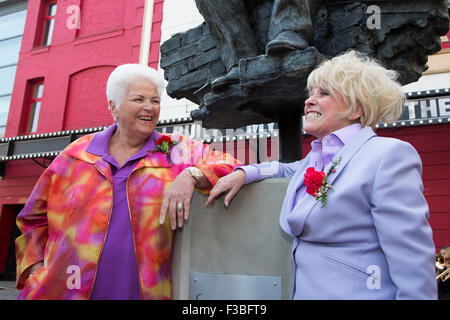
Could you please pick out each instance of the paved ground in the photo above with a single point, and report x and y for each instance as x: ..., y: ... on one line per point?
x: 8, y: 290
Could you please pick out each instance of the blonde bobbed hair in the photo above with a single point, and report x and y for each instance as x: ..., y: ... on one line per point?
x: 363, y: 83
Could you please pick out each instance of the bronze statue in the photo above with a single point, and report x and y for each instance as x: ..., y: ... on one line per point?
x: 290, y: 29
x: 249, y: 61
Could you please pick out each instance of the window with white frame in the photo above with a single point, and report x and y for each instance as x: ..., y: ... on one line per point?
x: 37, y: 88
x: 48, y: 23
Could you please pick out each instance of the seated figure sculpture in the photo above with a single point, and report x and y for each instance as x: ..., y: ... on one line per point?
x: 290, y: 29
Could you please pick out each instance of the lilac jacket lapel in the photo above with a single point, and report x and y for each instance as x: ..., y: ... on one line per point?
x: 292, y: 219
x: 289, y: 199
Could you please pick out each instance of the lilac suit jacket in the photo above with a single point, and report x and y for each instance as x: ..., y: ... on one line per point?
x: 372, y: 239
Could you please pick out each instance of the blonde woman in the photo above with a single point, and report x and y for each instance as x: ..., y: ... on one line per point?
x: 354, y: 206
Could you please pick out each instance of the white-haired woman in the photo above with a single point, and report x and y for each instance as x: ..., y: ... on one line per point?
x: 91, y: 226
x: 354, y: 205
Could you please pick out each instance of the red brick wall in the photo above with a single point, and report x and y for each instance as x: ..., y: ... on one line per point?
x: 446, y: 43
x: 110, y: 35
x: 89, y: 109
x: 97, y: 17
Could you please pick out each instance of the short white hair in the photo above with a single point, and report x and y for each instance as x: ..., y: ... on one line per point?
x: 126, y: 74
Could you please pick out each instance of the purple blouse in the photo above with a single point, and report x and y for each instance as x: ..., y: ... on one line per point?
x: 117, y: 273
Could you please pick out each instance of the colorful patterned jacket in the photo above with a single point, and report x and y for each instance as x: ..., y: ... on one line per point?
x: 65, y: 219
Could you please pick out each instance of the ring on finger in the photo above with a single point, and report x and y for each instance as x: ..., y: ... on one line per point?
x: 180, y: 206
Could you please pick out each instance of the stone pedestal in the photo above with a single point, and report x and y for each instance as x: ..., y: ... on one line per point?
x: 242, y: 240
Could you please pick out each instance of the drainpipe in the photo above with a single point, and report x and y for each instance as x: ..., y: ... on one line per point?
x: 146, y: 32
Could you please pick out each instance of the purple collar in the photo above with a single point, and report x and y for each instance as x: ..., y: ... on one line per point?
x: 347, y: 133
x: 99, y: 144
x: 344, y: 135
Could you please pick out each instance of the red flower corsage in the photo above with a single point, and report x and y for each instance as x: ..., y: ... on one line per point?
x: 163, y: 144
x: 316, y: 182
